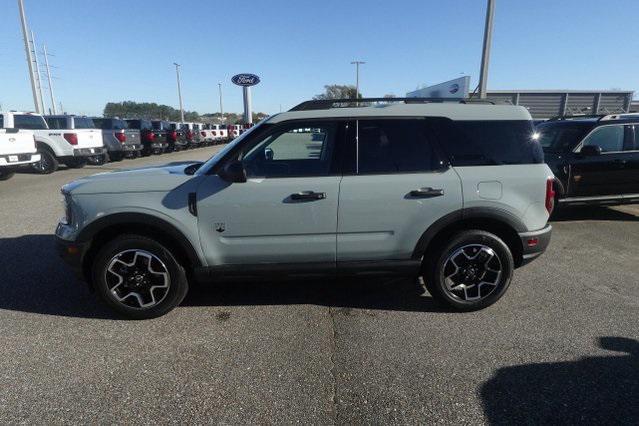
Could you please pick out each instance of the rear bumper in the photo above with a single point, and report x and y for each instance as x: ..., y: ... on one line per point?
x: 18, y: 159
x: 535, y: 243
x: 88, y: 152
x: 127, y: 148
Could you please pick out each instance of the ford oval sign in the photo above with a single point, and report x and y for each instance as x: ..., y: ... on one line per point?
x: 245, y: 79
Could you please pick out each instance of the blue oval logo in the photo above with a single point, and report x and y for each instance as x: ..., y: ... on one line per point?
x: 454, y: 88
x: 245, y: 79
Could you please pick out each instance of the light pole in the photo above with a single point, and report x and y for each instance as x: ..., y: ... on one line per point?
x: 37, y: 73
x: 46, y: 63
x: 485, y: 56
x: 357, y: 64
x: 25, y: 34
x: 219, y: 86
x: 177, y: 72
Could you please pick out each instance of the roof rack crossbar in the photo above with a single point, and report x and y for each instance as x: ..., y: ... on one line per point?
x: 317, y: 104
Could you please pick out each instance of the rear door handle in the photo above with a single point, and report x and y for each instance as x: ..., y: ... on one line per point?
x: 308, y: 195
x: 426, y: 192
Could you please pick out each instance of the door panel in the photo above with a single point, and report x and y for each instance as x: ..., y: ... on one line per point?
x: 604, y: 174
x: 258, y: 221
x: 286, y: 212
x: 379, y: 219
x: 397, y: 187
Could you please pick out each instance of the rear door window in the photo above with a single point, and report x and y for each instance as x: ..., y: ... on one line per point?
x: 608, y: 138
x: 394, y: 146
x: 29, y: 122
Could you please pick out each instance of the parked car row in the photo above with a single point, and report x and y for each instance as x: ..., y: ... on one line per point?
x: 45, y: 142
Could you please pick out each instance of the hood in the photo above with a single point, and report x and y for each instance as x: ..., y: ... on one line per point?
x: 147, y: 179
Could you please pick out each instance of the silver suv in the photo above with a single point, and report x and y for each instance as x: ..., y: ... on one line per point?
x: 455, y: 193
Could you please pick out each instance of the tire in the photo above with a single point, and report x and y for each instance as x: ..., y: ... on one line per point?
x: 136, y: 250
x: 6, y: 174
x: 116, y: 156
x: 462, y: 274
x: 47, y: 164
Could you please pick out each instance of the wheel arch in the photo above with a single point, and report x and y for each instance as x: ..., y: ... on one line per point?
x: 499, y: 222
x: 97, y: 233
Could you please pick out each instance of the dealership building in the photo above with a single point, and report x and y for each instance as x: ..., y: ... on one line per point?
x: 542, y: 104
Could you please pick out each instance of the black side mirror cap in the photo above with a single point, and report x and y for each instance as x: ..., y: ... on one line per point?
x: 590, y: 150
x: 233, y: 172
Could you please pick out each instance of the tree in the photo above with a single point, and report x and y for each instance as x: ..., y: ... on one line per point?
x: 336, y: 91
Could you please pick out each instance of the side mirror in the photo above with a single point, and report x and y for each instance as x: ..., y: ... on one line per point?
x: 269, y: 154
x: 591, y: 150
x: 233, y: 172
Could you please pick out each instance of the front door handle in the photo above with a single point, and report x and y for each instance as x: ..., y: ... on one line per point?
x: 426, y: 192
x: 308, y: 195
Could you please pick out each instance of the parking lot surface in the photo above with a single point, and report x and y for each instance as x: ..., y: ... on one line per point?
x: 562, y: 346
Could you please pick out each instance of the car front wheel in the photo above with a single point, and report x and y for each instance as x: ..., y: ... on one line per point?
x: 470, y: 272
x: 138, y: 277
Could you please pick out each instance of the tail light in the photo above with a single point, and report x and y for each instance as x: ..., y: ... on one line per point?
x: 173, y: 136
x: 214, y: 133
x: 189, y: 135
x: 550, y: 194
x: 121, y: 137
x: 149, y: 137
x: 72, y: 138
x: 203, y: 134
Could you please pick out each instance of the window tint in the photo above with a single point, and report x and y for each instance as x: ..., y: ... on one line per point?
x: 489, y: 142
x: 561, y: 137
x: 118, y: 124
x: 292, y: 151
x: 157, y: 125
x: 394, y: 146
x: 102, y: 123
x: 29, y: 122
x: 636, y: 138
x: 56, y: 122
x: 609, y: 138
x: 1, y: 122
x: 83, y: 123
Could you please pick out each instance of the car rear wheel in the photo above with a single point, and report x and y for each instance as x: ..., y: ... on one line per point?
x: 47, y: 164
x: 470, y: 272
x: 138, y: 277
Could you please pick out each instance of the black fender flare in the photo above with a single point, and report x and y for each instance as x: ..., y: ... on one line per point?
x: 142, y: 219
x: 462, y: 215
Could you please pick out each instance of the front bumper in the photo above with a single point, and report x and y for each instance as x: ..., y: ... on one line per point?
x: 535, y: 243
x: 88, y: 152
x: 18, y: 159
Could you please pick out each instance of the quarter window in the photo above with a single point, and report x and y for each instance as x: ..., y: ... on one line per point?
x: 608, y: 138
x: 301, y: 150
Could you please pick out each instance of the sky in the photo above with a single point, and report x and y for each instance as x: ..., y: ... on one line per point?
x: 116, y: 50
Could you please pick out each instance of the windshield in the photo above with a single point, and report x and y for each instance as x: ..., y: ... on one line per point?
x: 220, y: 154
x: 561, y: 136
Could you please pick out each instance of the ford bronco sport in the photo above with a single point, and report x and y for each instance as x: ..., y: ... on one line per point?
x: 457, y: 193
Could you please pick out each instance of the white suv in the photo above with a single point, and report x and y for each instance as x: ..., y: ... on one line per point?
x: 455, y: 193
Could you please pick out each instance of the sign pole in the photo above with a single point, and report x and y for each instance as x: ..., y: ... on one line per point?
x: 248, y: 116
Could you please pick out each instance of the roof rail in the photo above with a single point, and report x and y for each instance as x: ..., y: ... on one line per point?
x: 619, y: 116
x: 575, y: 117
x: 317, y: 104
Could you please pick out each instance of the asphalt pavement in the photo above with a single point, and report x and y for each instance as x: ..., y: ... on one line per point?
x: 562, y: 346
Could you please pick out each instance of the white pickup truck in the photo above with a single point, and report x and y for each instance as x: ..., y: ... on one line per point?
x: 61, y: 145
x: 17, y: 148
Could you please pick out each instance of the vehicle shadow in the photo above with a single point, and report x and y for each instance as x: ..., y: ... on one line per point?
x: 592, y: 390
x: 34, y: 279
x: 565, y: 214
